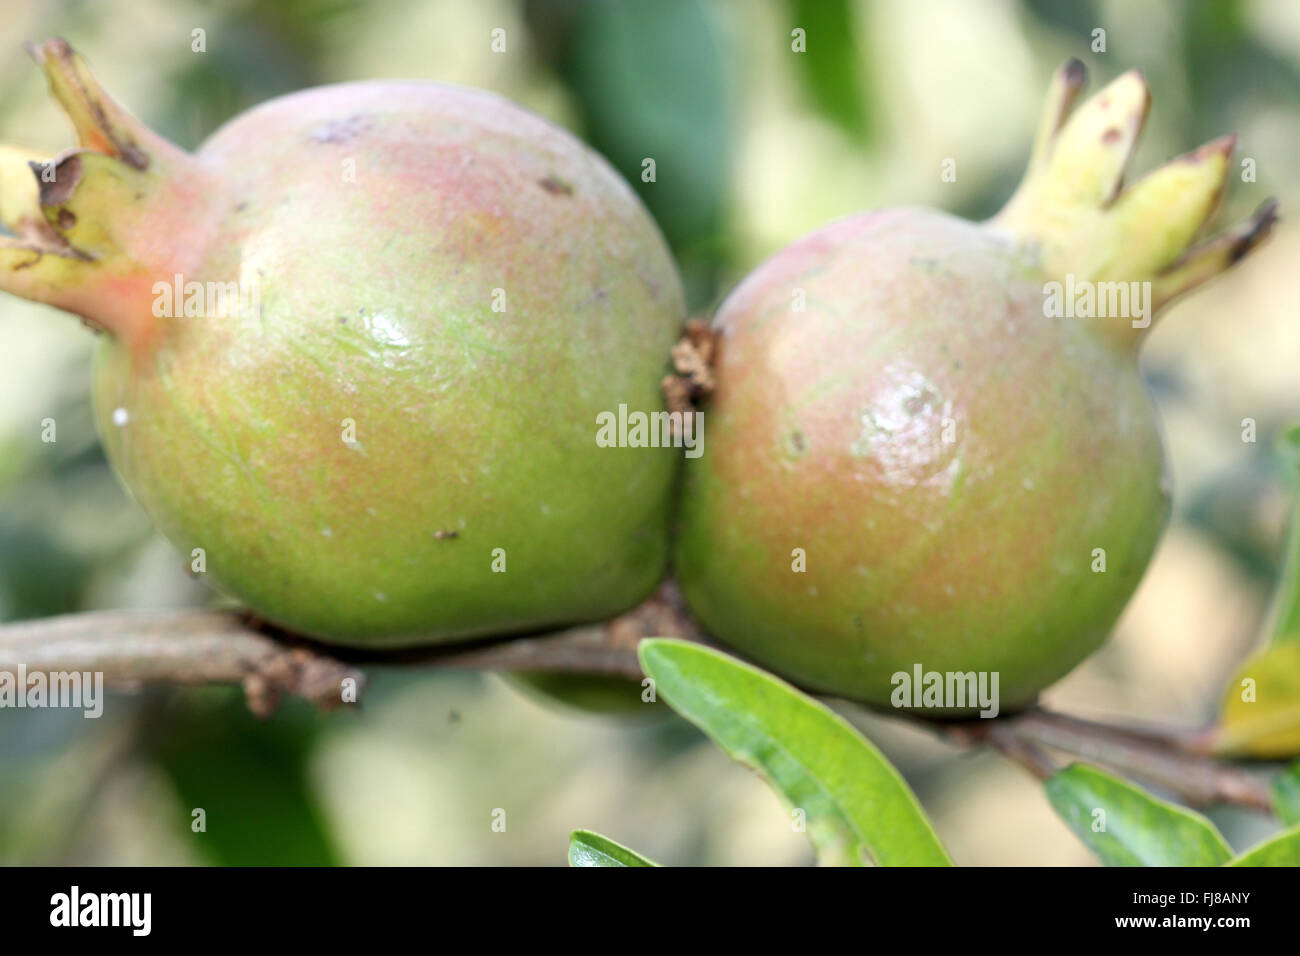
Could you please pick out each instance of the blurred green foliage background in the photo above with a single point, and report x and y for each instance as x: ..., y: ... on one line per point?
x: 754, y: 146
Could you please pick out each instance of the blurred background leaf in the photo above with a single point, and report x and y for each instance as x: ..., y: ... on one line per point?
x: 248, y: 777
x: 648, y: 78
x: 1260, y: 714
x: 830, y: 73
x: 1284, y: 617
x: 1286, y: 795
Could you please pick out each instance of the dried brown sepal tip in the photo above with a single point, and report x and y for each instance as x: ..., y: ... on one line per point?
x: 101, y: 123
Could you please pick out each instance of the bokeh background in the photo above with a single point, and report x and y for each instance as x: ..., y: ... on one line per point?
x: 755, y: 145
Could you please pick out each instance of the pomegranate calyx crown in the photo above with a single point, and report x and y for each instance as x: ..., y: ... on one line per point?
x: 1074, y: 213
x: 85, y: 223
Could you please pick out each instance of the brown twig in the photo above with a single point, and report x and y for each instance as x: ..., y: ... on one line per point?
x: 194, y: 647
x: 187, y: 647
x: 1173, y: 761
x: 605, y: 648
x: 191, y: 647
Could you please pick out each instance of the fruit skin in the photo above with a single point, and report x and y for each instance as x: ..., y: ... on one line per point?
x: 947, y: 456
x: 474, y: 428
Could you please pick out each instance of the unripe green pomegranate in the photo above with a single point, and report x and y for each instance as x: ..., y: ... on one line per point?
x: 927, y: 450
x: 356, y: 347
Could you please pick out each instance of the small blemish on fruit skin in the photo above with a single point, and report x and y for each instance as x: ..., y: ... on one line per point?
x: 444, y: 535
x: 1111, y: 135
x: 555, y: 185
x: 341, y: 130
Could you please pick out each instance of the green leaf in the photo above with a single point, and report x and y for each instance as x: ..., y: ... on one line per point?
x: 1284, y: 619
x: 829, y: 67
x: 1286, y: 795
x: 1280, y: 850
x: 1137, y: 829
x: 856, y: 805
x: 651, y: 82
x: 1259, y: 714
x: 591, y: 849
x: 251, y: 776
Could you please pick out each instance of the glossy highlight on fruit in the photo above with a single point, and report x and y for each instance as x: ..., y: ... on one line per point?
x: 927, y: 446
x: 355, y: 350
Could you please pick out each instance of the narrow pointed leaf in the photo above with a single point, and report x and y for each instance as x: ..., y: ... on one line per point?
x: 591, y: 849
x: 1126, y: 826
x: 1281, y: 850
x: 856, y: 806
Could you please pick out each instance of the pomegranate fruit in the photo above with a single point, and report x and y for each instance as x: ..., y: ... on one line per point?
x: 930, y: 448
x: 356, y: 346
